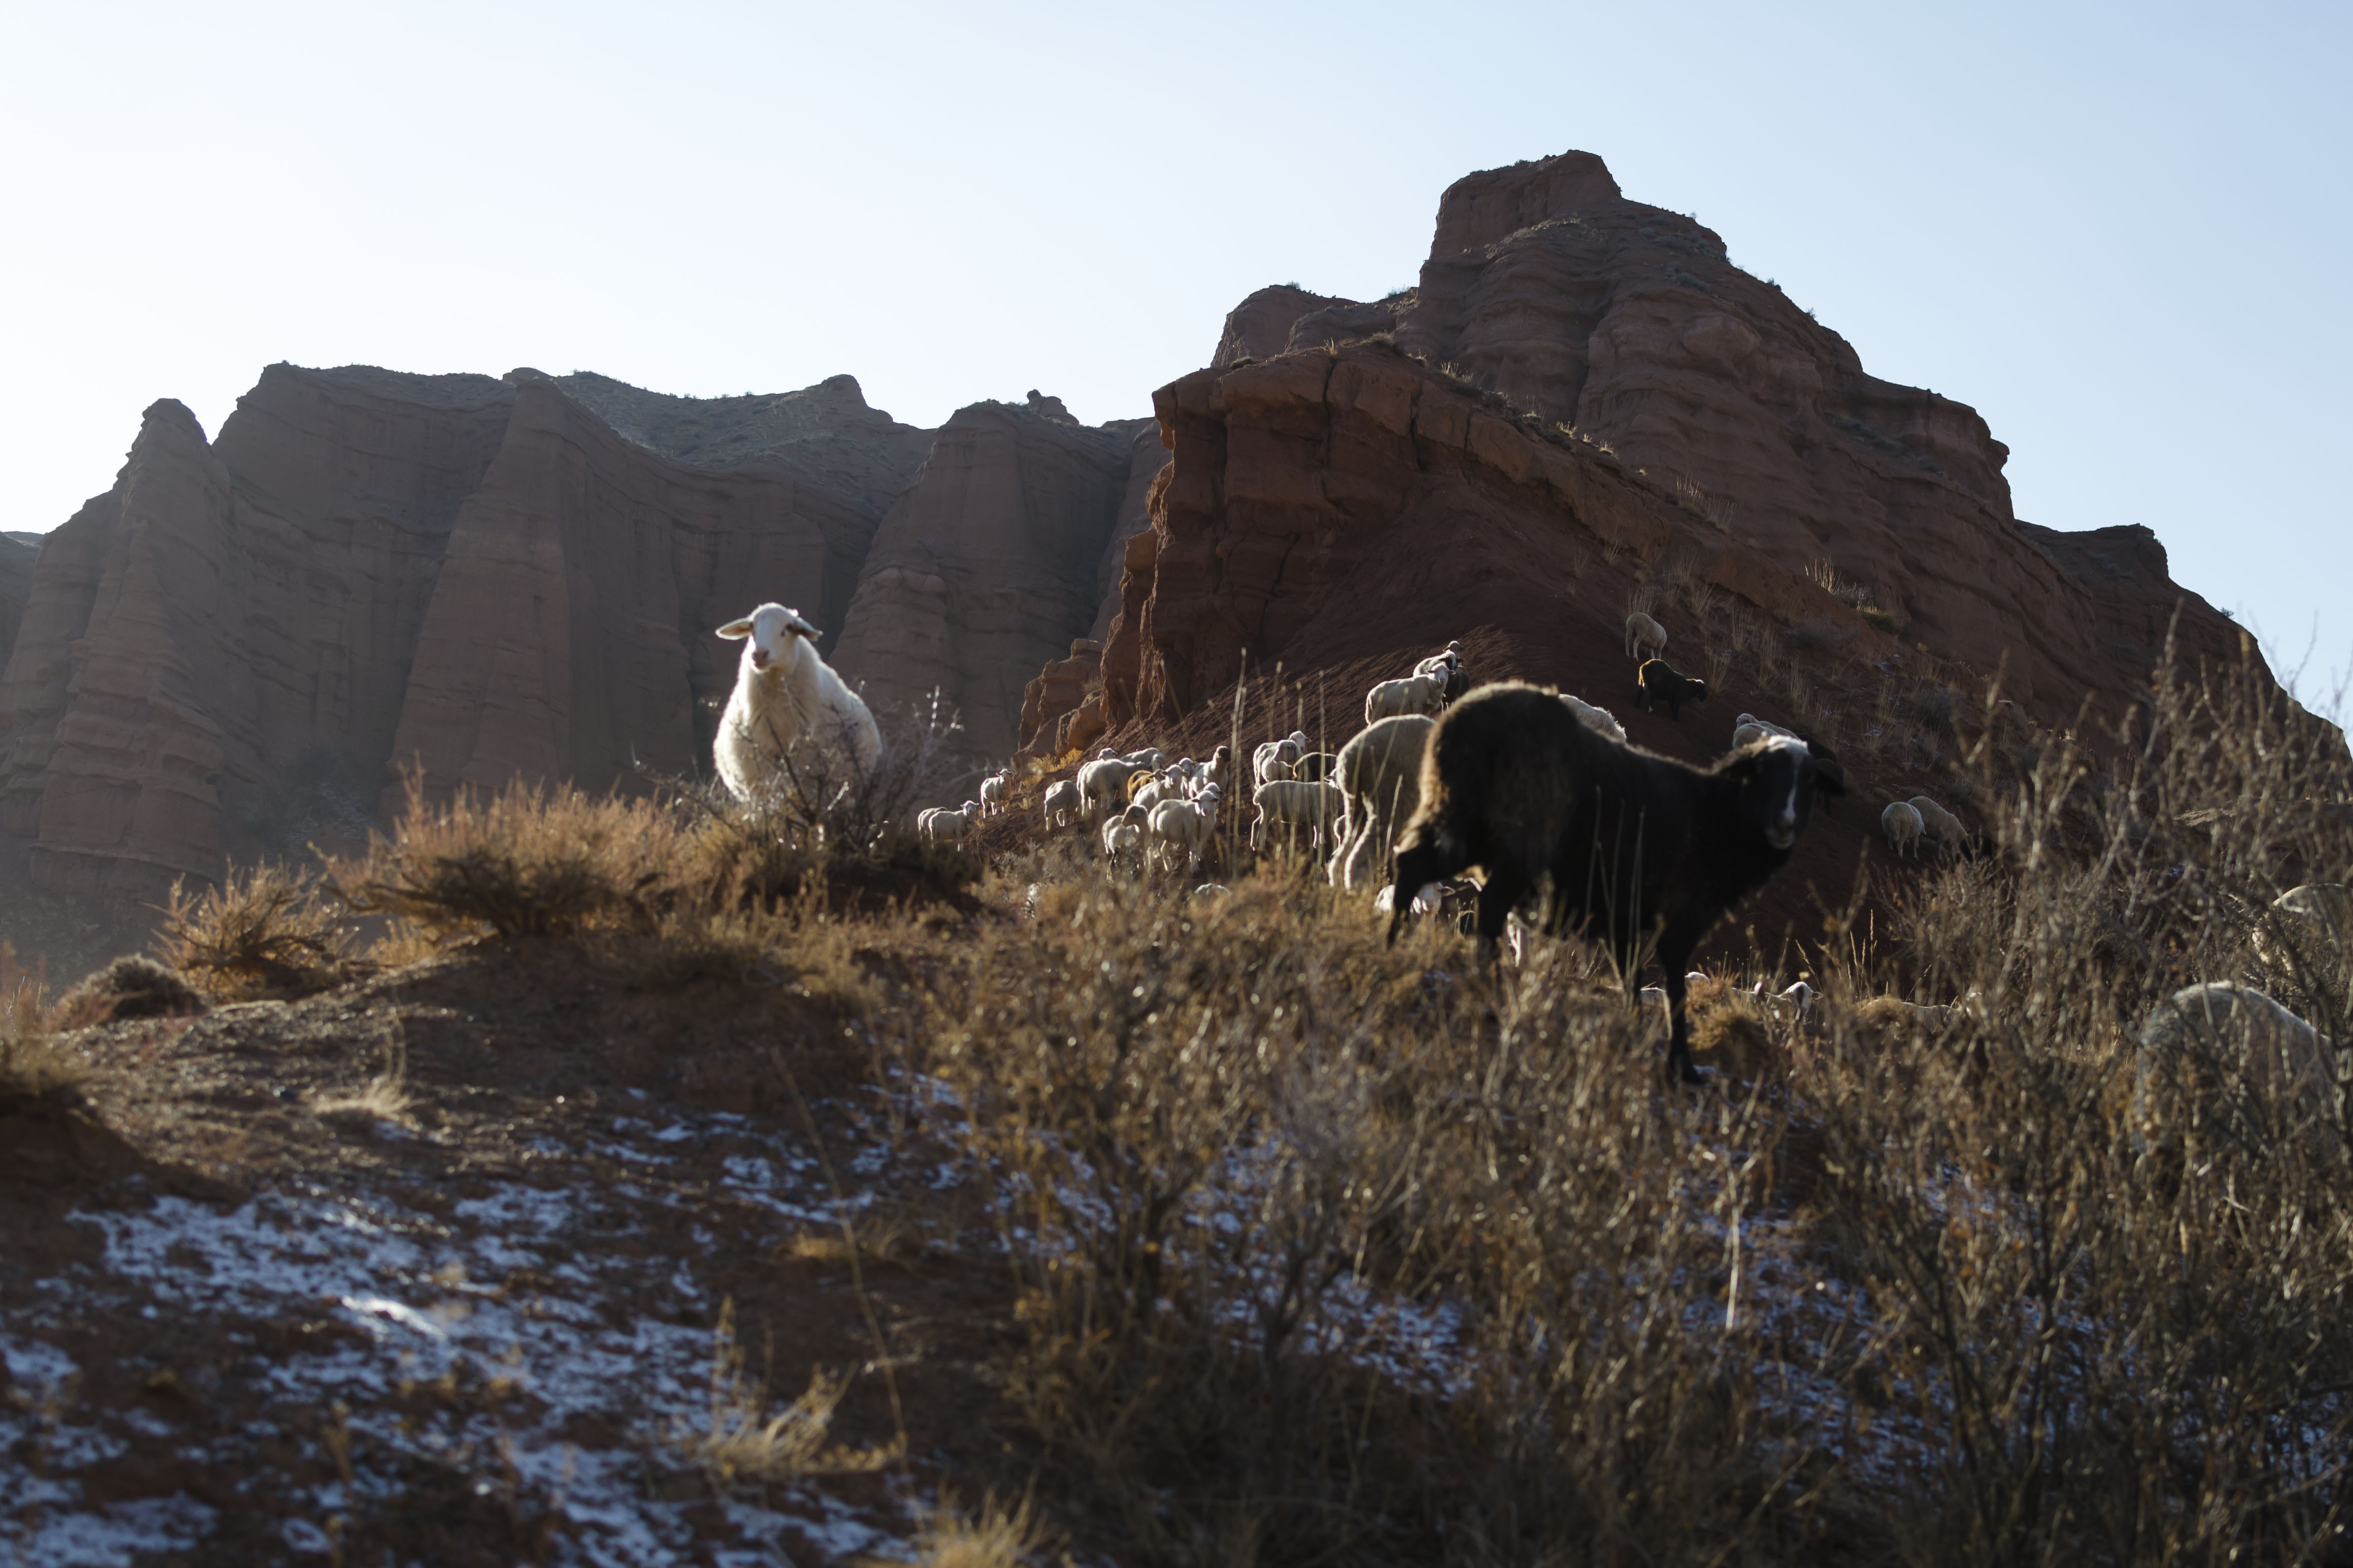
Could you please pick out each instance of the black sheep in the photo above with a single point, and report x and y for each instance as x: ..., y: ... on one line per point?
x: 1637, y: 850
x: 1314, y: 765
x: 1660, y: 681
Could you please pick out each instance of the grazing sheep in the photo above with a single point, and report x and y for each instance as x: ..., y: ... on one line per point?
x: 1314, y: 766
x: 943, y: 825
x: 1220, y: 766
x: 1901, y: 822
x: 1447, y: 667
x: 1427, y: 903
x: 1064, y: 804
x: 1767, y: 725
x: 1292, y: 804
x: 1379, y: 775
x: 1660, y: 681
x: 1748, y: 735
x: 1640, y: 850
x: 1943, y: 829
x: 1644, y: 634
x: 1598, y: 719
x: 1414, y: 694
x: 2306, y: 925
x: 1269, y: 754
x: 2244, y: 1053
x: 1103, y: 784
x: 1185, y: 824
x: 1123, y: 837
x: 784, y: 693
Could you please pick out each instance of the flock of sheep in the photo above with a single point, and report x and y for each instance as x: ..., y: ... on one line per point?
x: 1539, y: 790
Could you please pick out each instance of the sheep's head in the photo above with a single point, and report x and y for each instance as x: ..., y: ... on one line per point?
x: 1779, y: 779
x: 772, y: 630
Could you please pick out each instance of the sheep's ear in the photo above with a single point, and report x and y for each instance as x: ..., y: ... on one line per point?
x: 1829, y: 776
x: 736, y: 629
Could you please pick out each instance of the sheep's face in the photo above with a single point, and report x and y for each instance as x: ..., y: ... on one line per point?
x: 1779, y: 779
x: 772, y: 630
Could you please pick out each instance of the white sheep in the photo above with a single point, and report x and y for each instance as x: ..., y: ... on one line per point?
x: 1414, y: 694
x: 1943, y: 829
x: 1901, y: 824
x: 1645, y: 636
x: 1379, y: 775
x: 1064, y: 805
x: 785, y: 694
x: 1750, y: 720
x: 992, y: 792
x: 1596, y: 718
x: 2309, y: 923
x: 1285, y: 751
x: 2252, y: 1051
x: 1183, y: 824
x: 1122, y: 839
x: 942, y: 826
x: 1102, y: 785
x: 1427, y: 901
x: 1292, y: 804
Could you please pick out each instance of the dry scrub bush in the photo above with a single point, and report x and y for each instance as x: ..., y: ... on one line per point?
x: 130, y: 987
x: 1326, y: 1248
x: 31, y: 1060
x: 527, y: 860
x: 1331, y: 1252
x: 744, y: 1446
x: 263, y: 934
x: 2114, y: 1316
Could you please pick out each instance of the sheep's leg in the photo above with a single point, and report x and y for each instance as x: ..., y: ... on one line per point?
x: 1677, y: 963
x: 1497, y: 899
x: 1420, y: 862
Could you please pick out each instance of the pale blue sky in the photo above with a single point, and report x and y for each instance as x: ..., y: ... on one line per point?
x: 2120, y: 231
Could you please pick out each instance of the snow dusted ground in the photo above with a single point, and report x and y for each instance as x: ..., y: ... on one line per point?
x: 541, y: 1343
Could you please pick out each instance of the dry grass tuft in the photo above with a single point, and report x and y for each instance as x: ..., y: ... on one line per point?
x: 128, y: 988
x: 263, y: 934
x: 528, y: 861
x: 994, y: 1538
x: 32, y: 1062
x: 746, y: 1447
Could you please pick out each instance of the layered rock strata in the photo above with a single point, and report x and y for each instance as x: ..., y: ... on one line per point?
x: 991, y: 562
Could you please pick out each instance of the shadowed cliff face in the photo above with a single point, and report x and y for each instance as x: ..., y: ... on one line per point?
x: 237, y: 650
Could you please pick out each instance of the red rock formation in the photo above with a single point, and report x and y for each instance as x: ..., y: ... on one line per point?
x: 570, y: 630
x: 988, y: 565
x: 1260, y: 327
x: 1629, y: 323
x: 1324, y: 509
x: 1060, y: 688
x: 225, y: 654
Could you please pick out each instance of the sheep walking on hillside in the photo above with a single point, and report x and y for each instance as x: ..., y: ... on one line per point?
x: 1449, y: 668
x: 1294, y: 807
x: 1640, y: 851
x: 1063, y: 804
x: 1901, y: 823
x: 1380, y: 777
x: 1660, y: 681
x: 1942, y: 827
x: 993, y: 790
x: 1414, y: 694
x: 941, y: 825
x: 1645, y: 638
x: 2306, y: 927
x: 1599, y: 719
x: 2252, y: 1068
x: 787, y: 697
x: 1186, y: 827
